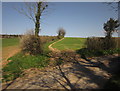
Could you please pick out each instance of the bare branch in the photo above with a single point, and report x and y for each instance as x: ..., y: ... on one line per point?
x: 43, y: 7
x: 34, y: 12
x: 29, y: 10
x: 111, y: 4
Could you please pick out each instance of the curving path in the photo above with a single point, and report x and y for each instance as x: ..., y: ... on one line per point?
x: 54, y: 49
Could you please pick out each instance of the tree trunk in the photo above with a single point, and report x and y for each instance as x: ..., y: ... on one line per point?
x: 37, y: 23
x: 119, y: 18
x: 109, y: 35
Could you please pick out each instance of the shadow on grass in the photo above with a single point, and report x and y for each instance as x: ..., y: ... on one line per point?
x: 85, y: 52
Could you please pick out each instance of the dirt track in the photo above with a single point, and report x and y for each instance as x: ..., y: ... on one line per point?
x: 53, y: 49
x: 80, y: 74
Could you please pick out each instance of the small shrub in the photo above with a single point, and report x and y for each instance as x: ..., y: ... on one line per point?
x: 31, y: 44
x: 61, y: 33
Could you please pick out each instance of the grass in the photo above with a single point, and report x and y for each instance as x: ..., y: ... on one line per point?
x: 21, y: 62
x: 10, y: 42
x: 45, y: 46
x: 9, y: 45
x: 85, y: 52
x: 70, y: 44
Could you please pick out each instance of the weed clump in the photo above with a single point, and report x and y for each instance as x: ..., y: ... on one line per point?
x: 31, y: 44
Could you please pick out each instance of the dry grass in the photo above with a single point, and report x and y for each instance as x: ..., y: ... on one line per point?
x: 99, y: 43
x: 30, y: 44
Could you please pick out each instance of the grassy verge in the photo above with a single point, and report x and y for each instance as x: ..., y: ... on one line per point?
x: 70, y: 43
x: 84, y: 52
x: 21, y: 62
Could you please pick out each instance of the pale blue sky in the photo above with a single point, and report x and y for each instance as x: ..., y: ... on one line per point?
x: 80, y: 19
x: 0, y: 16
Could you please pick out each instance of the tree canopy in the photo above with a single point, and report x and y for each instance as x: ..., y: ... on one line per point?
x: 111, y: 26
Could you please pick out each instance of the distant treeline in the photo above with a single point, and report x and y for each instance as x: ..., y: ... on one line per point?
x: 9, y: 36
x: 14, y: 36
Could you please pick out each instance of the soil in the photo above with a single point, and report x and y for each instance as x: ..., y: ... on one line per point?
x: 78, y: 73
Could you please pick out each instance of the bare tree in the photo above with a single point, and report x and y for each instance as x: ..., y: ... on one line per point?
x: 114, y: 7
x: 34, y: 10
x: 61, y: 33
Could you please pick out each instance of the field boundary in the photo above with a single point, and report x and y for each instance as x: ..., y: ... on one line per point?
x: 9, y: 54
x: 54, y: 49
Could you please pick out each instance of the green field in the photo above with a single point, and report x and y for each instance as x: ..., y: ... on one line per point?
x: 70, y: 44
x: 9, y: 42
x: 10, y: 46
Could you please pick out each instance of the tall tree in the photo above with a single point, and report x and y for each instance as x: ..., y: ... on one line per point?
x: 119, y: 19
x: 117, y: 9
x: 34, y: 10
x: 111, y: 26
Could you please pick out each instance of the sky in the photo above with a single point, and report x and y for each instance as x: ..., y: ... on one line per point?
x: 0, y: 17
x: 79, y: 19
